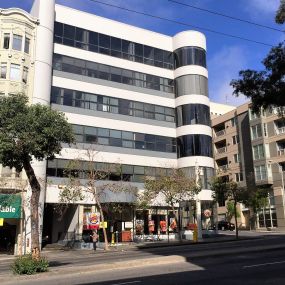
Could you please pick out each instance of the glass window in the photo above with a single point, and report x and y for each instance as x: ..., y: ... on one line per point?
x: 58, y: 29
x: 103, y: 132
x: 27, y: 45
x: 258, y: 151
x: 25, y: 74
x: 260, y: 172
x: 115, y: 134
x: 3, y: 70
x: 15, y: 72
x: 17, y: 42
x: 69, y: 31
x: 256, y: 131
x: 237, y: 158
x: 6, y: 41
x: 104, y: 41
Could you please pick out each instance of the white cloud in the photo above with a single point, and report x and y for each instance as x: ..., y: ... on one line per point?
x: 223, y: 67
x: 258, y: 8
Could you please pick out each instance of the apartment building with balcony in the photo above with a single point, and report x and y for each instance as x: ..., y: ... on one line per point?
x: 233, y: 154
x: 250, y: 149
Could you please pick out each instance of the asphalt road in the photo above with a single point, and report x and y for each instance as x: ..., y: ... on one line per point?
x: 202, y: 264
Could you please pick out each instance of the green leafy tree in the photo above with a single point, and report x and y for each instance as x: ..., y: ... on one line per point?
x: 280, y: 15
x: 27, y: 133
x: 266, y: 88
x: 174, y: 186
x: 231, y: 211
x: 228, y: 190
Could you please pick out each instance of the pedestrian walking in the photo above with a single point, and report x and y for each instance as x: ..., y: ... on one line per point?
x: 94, y: 237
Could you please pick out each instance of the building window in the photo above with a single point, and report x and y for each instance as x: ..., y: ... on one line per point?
x: 265, y: 129
x: 6, y: 41
x: 17, y: 42
x: 3, y: 70
x: 239, y: 177
x: 253, y: 116
x: 25, y: 74
x: 256, y: 131
x: 234, y: 121
x: 235, y: 139
x: 237, y: 158
x: 27, y: 45
x: 258, y: 151
x: 260, y: 172
x: 15, y: 72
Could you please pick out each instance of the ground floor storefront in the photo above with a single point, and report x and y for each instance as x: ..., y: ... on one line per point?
x: 68, y: 224
x: 11, y: 229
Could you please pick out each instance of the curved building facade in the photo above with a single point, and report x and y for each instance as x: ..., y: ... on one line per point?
x: 194, y: 135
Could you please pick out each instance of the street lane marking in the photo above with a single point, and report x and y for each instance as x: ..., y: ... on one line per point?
x: 131, y: 282
x: 263, y: 264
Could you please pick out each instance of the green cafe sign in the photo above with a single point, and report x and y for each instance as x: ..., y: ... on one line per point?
x: 10, y: 206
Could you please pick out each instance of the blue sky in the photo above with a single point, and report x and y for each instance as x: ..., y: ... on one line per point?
x: 225, y: 56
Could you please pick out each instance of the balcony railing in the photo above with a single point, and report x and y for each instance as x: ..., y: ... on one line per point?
x: 281, y: 152
x: 281, y: 131
x: 222, y: 149
x: 223, y: 168
x: 220, y: 133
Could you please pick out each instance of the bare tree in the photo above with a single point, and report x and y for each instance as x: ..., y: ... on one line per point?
x: 85, y: 180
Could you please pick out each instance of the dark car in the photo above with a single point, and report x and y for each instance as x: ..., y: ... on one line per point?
x: 224, y: 226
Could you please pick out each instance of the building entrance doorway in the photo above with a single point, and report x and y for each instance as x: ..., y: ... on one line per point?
x: 7, y: 238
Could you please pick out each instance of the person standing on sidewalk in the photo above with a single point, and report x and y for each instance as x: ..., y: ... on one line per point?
x: 94, y: 237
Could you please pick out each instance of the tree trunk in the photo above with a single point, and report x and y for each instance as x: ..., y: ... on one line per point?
x: 106, y: 247
x: 34, y: 204
x: 236, y: 225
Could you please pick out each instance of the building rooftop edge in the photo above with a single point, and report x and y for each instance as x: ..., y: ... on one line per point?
x: 19, y: 11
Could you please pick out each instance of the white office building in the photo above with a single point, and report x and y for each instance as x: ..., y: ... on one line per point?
x: 138, y: 98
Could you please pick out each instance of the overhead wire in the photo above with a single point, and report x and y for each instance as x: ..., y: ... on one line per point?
x: 226, y: 16
x: 181, y: 23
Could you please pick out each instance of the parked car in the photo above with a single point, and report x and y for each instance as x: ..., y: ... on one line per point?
x: 225, y: 226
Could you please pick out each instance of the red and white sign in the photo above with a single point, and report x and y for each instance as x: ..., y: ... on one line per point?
x: 207, y: 213
x: 92, y: 221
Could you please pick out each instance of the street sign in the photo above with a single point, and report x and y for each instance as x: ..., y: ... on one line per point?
x: 10, y: 206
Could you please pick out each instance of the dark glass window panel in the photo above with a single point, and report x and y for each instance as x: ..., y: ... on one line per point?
x: 58, y: 40
x: 116, y: 53
x: 81, y: 35
x: 93, y: 38
x: 56, y: 95
x: 149, y: 108
x: 160, y: 117
x: 104, y: 72
x: 194, y: 145
x: 77, y: 129
x: 138, y: 105
x: 149, y: 52
x: 68, y: 42
x: 128, y: 47
x: 188, y: 56
x: 91, y: 139
x: 124, y: 107
x: 160, y: 147
x: 116, y: 44
x: 138, y: 178
x: 104, y: 141
x: 139, y: 59
x: 150, y: 146
x: 138, y: 113
x: 116, y: 74
x: 51, y: 172
x: 104, y: 41
x: 104, y: 50
x: 67, y: 97
x: 58, y: 29
x: 93, y: 48
x: 69, y: 31
x: 139, y: 145
x: 158, y: 63
x: 115, y: 142
x: 103, y: 132
x: 128, y: 144
x: 138, y: 170
x: 139, y: 50
x: 158, y: 54
x: 149, y: 115
x: 127, y: 135
x: 150, y: 138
